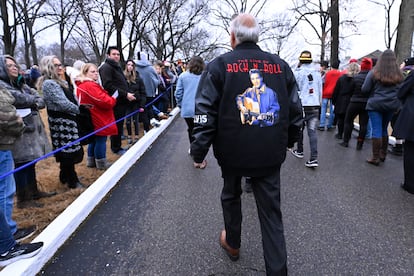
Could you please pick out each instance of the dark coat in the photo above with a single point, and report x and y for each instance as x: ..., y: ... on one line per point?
x: 243, y: 149
x: 138, y: 89
x: 113, y: 79
x: 342, y: 93
x: 382, y: 98
x: 357, y: 95
x: 404, y: 126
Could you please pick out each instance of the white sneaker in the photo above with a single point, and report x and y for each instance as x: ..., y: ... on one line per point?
x: 154, y: 122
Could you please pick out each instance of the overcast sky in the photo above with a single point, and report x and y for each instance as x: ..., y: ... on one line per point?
x: 371, y: 29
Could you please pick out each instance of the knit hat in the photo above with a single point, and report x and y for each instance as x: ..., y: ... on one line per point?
x: 305, y: 57
x: 366, y: 64
x: 353, y: 60
x: 409, y: 61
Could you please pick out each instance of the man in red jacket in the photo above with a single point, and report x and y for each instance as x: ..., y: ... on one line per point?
x: 331, y: 77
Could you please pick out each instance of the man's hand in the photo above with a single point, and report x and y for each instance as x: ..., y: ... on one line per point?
x: 201, y: 165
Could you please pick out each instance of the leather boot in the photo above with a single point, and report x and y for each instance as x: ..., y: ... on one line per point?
x: 102, y: 164
x: 90, y: 162
x: 22, y: 194
x: 384, y: 148
x: 376, y: 146
x: 35, y: 194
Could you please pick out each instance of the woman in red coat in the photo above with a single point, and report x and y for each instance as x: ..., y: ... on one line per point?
x: 91, y: 93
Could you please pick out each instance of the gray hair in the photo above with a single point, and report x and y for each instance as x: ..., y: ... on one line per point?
x: 47, y: 69
x: 245, y: 28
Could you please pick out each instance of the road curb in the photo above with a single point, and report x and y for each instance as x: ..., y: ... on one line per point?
x: 60, y: 229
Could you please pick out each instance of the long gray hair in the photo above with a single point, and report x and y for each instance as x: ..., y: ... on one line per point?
x: 47, y: 69
x: 245, y: 28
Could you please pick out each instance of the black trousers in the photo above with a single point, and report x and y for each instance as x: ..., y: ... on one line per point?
x: 25, y: 181
x: 116, y: 140
x: 353, y: 110
x: 148, y: 114
x: 266, y: 190
x: 409, y: 165
x: 67, y: 173
x: 190, y: 127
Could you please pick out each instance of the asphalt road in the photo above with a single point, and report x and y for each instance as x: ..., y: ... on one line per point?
x: 164, y: 218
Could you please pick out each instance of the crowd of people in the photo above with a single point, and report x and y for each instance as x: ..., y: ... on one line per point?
x: 118, y: 100
x: 217, y: 105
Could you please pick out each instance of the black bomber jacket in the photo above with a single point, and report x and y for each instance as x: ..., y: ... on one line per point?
x: 241, y: 147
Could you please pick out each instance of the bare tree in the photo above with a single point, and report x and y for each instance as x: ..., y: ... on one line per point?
x: 29, y: 11
x: 118, y: 10
x: 390, y: 31
x: 272, y: 27
x: 9, y: 36
x: 311, y: 12
x: 334, y: 12
x: 63, y: 14
x: 138, y: 15
x: 166, y: 30
x: 94, y: 28
x: 403, y: 44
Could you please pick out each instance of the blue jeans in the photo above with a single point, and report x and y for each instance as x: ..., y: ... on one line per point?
x: 324, y: 108
x: 97, y: 148
x: 7, y: 188
x: 379, y: 122
x: 369, y: 129
x: 310, y: 121
x: 6, y: 238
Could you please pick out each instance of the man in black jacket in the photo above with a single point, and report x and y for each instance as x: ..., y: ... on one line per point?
x: 114, y: 81
x: 250, y: 150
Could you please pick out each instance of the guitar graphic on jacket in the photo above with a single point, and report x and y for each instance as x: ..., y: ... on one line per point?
x: 258, y: 105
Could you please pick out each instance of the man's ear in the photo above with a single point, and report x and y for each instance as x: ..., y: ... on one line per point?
x: 232, y: 40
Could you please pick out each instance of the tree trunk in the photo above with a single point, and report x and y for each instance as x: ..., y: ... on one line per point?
x: 405, y: 30
x: 334, y: 12
x: 7, y: 36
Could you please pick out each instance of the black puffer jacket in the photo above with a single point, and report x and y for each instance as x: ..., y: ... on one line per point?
x: 244, y: 149
x: 357, y: 95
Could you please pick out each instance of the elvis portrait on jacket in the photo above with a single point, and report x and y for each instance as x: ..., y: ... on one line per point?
x: 258, y: 104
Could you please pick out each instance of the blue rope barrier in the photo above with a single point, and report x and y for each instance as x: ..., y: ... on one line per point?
x: 82, y: 138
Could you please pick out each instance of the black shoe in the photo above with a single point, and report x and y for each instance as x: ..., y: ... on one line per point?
x: 77, y: 185
x: 40, y: 195
x: 330, y: 128
x: 312, y: 163
x: 24, y: 233
x: 28, y: 204
x: 396, y: 150
x: 344, y: 144
x: 321, y: 128
x: 20, y: 251
x: 120, y: 151
x: 405, y: 189
x: 338, y: 136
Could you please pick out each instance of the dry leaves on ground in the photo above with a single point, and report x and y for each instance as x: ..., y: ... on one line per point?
x: 47, y: 171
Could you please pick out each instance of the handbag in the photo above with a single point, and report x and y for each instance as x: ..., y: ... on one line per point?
x: 85, y: 125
